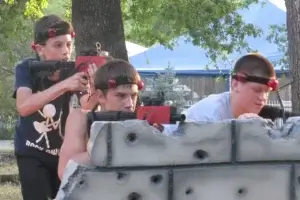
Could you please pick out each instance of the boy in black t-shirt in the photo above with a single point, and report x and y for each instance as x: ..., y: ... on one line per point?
x: 43, y: 106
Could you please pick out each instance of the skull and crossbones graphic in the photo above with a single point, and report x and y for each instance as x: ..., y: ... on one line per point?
x: 48, y: 125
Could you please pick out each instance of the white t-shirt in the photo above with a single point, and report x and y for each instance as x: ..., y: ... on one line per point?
x: 214, y: 108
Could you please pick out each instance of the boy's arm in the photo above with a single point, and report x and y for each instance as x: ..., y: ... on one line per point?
x: 27, y: 102
x: 85, y: 101
x: 88, y: 102
x: 75, y: 139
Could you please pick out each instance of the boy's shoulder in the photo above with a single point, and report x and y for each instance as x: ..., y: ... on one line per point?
x: 207, y: 107
x: 211, y: 101
x: 24, y: 63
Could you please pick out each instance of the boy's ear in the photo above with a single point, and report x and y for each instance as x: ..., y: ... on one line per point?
x: 234, y: 85
x: 100, y: 96
x: 39, y: 49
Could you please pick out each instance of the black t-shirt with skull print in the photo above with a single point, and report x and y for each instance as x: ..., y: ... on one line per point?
x: 41, y: 133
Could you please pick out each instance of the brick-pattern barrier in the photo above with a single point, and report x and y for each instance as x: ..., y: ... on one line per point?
x: 244, y: 159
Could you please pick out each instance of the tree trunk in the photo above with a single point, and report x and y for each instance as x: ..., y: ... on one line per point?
x: 99, y: 21
x: 293, y: 29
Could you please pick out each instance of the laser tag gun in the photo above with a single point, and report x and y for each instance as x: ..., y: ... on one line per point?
x: 153, y: 111
x: 273, y: 112
x: 91, y: 57
x: 108, y: 116
x: 156, y: 114
x: 68, y: 68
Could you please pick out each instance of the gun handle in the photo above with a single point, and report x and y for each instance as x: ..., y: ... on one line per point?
x: 155, y: 114
x: 82, y: 62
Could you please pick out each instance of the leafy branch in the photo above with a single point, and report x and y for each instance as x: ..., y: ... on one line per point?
x: 278, y: 36
x: 9, y: 71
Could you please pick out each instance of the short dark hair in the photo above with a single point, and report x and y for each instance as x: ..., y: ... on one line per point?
x: 115, y: 69
x: 44, y: 24
x: 254, y: 64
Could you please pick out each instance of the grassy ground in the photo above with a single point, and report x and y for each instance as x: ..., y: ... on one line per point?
x: 8, y: 190
x: 10, y: 168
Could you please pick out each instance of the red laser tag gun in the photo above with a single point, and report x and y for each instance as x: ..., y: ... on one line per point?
x: 159, y: 114
x: 68, y: 68
x: 95, y: 58
x: 153, y: 111
x: 152, y: 114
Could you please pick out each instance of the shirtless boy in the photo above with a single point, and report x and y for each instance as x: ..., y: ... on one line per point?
x: 117, y: 85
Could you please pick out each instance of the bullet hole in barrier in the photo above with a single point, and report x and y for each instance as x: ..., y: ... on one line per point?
x: 134, y: 196
x: 121, y: 175
x: 242, y: 191
x: 81, y: 182
x: 156, y: 179
x: 200, y: 154
x: 189, y: 191
x: 131, y: 137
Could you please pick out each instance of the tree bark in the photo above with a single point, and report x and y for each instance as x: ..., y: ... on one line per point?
x: 99, y: 21
x: 293, y: 29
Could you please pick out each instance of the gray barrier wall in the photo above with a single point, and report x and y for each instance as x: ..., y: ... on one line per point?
x: 243, y: 159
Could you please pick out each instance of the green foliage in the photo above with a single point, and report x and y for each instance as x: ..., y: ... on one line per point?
x: 61, y: 8
x: 8, y: 129
x: 167, y: 83
x: 278, y: 36
x: 221, y: 79
x: 15, y: 41
x: 214, y: 25
x: 67, y: 6
x: 7, y: 106
x: 35, y: 8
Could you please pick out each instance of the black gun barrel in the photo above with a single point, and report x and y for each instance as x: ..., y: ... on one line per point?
x: 50, y: 65
x: 109, y: 116
x: 177, y: 118
x: 122, y: 116
x: 272, y: 112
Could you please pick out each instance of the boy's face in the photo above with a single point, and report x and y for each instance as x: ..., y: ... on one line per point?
x: 251, y: 96
x: 122, y: 98
x: 56, y: 48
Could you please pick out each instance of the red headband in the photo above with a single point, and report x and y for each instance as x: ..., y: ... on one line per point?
x: 115, y: 82
x: 112, y: 83
x: 52, y: 32
x: 272, y: 83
